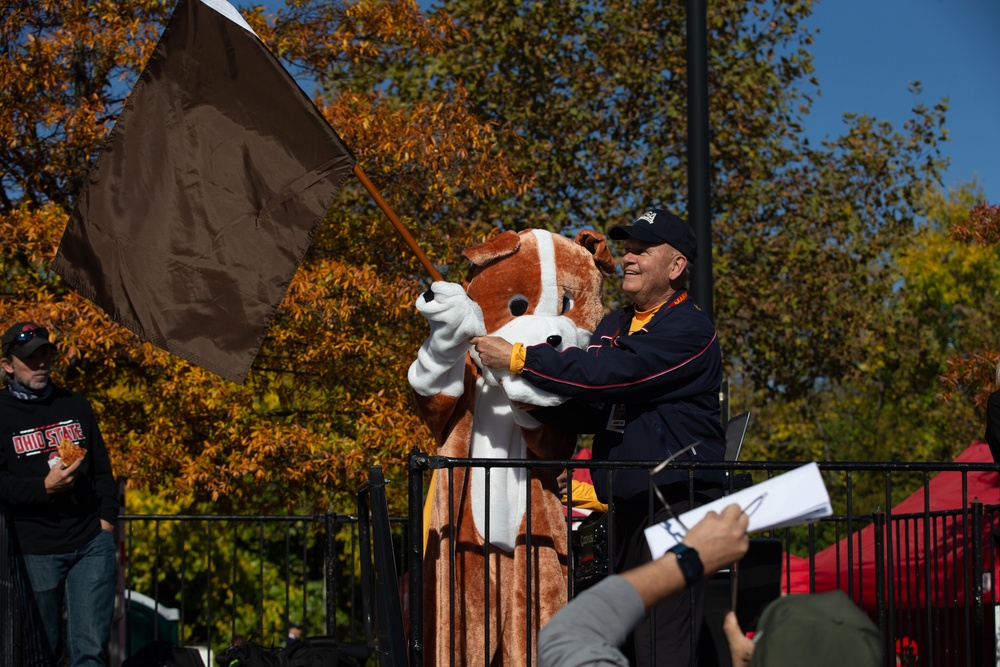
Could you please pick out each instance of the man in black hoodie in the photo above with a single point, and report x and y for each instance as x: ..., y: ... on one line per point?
x: 62, y: 517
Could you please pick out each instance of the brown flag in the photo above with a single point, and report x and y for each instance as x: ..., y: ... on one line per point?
x: 206, y: 194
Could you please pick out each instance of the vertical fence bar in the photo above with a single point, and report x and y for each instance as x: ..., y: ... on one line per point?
x: 850, y: 545
x: 183, y: 533
x: 367, y: 577
x: 355, y: 548
x: 415, y: 554
x: 966, y: 586
x: 329, y: 573
x: 812, y: 561
x: 260, y: 572
x: 156, y: 579
x: 528, y: 560
x: 452, y: 558
x: 10, y: 617
x: 486, y: 567
x: 208, y: 586
x: 978, y: 629
x: 128, y: 581
x: 886, y: 597
x: 570, y: 551
x: 308, y: 530
x: 234, y: 550
x: 879, y: 556
x: 286, y: 617
x: 929, y: 607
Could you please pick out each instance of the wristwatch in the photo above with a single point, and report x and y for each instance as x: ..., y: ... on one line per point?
x: 690, y: 563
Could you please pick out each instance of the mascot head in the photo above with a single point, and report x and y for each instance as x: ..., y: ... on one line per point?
x: 538, y: 287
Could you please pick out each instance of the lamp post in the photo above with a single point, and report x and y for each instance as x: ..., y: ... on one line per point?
x: 699, y: 176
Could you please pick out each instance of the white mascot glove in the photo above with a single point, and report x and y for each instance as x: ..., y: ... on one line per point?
x: 454, y: 318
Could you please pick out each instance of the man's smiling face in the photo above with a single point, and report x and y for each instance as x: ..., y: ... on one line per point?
x: 647, y: 272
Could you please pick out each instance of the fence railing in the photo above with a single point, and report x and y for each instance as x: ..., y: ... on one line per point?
x: 928, y: 577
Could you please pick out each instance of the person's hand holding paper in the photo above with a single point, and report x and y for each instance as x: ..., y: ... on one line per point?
x: 798, y: 496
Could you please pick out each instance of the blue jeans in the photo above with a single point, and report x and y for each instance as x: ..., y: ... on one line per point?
x: 85, y: 580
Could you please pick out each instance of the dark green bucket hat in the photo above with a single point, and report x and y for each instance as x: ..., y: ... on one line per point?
x: 819, y: 630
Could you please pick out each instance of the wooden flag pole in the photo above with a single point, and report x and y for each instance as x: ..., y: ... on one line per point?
x: 410, y: 241
x: 396, y: 222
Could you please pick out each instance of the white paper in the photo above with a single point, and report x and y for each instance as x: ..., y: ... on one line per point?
x: 798, y: 496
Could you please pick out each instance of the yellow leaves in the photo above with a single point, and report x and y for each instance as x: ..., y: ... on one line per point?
x: 948, y: 271
x: 438, y: 137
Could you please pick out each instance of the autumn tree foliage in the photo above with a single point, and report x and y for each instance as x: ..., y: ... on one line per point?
x: 807, y: 236
x: 468, y: 116
x: 597, y: 93
x: 971, y: 373
x: 893, y: 405
x: 327, y: 396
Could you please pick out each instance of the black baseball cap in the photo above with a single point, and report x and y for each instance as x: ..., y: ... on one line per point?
x: 23, y: 338
x: 659, y: 226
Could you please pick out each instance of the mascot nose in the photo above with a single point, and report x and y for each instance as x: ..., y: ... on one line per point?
x: 554, y: 340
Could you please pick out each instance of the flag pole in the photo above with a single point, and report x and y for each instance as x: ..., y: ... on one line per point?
x: 396, y: 222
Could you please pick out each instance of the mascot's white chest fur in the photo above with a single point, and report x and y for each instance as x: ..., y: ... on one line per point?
x: 496, y: 435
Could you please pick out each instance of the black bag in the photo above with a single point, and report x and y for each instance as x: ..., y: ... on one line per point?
x: 247, y: 654
x: 161, y: 653
x: 591, y: 551
x: 311, y: 652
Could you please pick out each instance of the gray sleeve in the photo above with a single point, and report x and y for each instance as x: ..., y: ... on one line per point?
x: 589, y: 630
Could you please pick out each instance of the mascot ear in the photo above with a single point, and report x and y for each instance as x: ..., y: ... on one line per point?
x: 594, y: 242
x: 499, y: 246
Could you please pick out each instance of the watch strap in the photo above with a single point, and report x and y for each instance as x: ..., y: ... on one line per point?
x: 689, y: 562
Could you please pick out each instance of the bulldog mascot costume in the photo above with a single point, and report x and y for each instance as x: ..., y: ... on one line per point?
x: 531, y: 287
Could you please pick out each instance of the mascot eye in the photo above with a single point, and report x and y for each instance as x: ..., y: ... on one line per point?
x: 518, y: 305
x: 567, y: 303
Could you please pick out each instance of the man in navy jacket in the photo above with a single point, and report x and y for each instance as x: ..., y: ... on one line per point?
x: 647, y: 386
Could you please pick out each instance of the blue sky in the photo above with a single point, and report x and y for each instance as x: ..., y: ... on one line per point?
x: 868, y: 51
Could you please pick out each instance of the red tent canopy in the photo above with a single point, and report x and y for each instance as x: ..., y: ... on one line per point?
x: 926, y: 559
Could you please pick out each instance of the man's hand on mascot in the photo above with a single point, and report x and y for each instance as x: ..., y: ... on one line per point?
x: 494, y: 352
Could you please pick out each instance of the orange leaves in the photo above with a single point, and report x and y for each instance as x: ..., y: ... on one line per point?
x: 439, y: 141
x: 981, y: 228
x: 327, y: 396
x: 60, y: 81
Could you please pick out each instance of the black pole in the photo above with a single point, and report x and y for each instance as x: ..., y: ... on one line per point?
x: 699, y: 178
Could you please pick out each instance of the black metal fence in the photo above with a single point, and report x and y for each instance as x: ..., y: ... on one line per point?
x: 234, y: 578
x: 927, y: 578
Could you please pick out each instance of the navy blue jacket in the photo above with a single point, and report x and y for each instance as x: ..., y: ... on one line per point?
x: 666, y: 379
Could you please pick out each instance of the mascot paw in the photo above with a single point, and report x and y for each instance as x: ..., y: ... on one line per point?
x: 453, y: 316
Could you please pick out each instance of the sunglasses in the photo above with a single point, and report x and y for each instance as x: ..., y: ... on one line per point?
x: 28, y: 334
